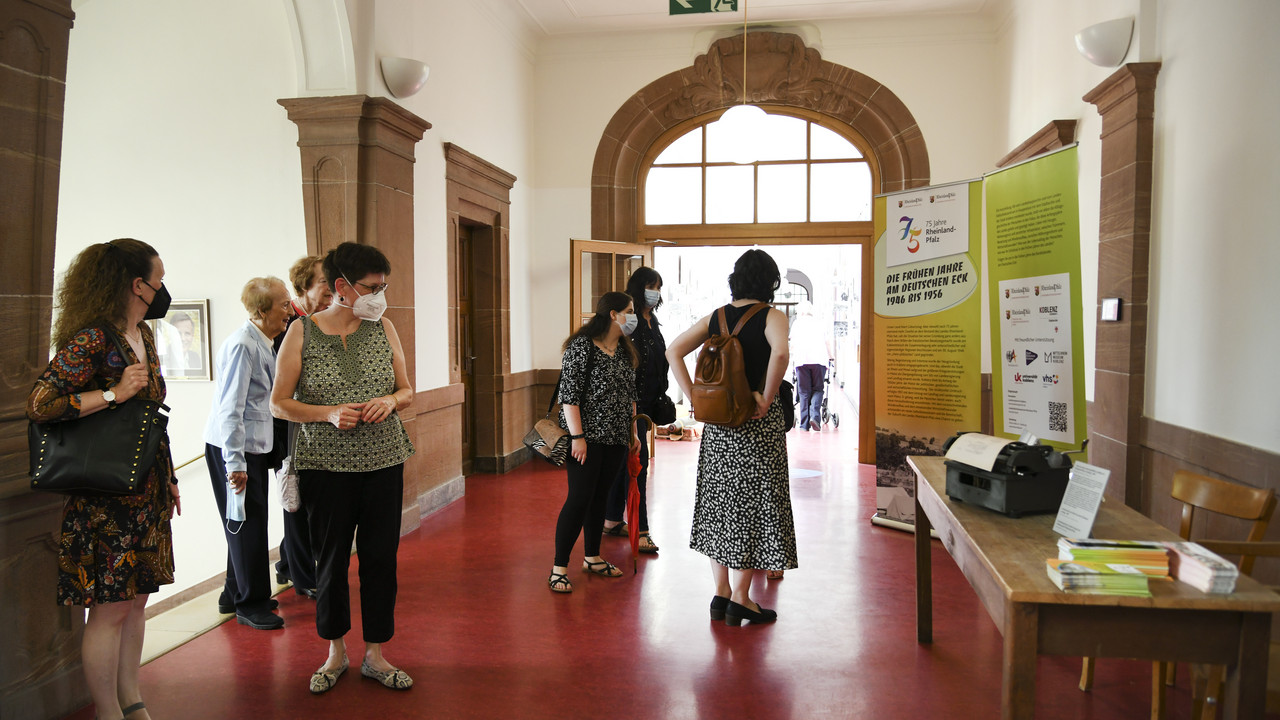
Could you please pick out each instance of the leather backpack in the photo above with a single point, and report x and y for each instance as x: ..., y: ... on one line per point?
x: 721, y: 393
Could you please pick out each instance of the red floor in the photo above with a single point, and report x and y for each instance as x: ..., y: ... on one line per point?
x: 484, y: 638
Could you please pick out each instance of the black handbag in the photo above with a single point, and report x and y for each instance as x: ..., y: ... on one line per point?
x: 663, y: 410
x: 107, y: 453
x: 788, y: 405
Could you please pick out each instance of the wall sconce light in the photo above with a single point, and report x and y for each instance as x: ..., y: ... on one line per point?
x: 404, y: 76
x: 1106, y: 43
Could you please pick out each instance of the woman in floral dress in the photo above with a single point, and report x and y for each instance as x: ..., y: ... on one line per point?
x: 113, y: 551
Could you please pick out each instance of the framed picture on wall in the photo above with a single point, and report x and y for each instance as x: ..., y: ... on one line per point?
x: 182, y: 341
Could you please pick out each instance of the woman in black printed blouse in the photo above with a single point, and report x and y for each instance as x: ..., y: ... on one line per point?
x: 598, y: 400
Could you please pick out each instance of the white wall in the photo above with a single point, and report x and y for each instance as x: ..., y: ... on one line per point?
x: 1214, y: 256
x: 1212, y: 260
x: 1047, y: 79
x: 942, y: 69
x: 479, y: 96
x: 172, y: 135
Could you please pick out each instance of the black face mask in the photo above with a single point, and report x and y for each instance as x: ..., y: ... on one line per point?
x: 159, y: 305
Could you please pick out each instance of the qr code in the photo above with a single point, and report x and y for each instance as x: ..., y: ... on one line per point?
x: 1057, y: 416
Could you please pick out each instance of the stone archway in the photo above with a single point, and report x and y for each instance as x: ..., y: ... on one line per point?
x: 781, y: 71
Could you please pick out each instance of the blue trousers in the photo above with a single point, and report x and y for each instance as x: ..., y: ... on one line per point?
x: 810, y: 389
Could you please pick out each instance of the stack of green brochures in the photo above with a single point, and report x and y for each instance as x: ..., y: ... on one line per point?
x: 1084, y: 576
x: 1140, y: 553
x: 1110, y: 567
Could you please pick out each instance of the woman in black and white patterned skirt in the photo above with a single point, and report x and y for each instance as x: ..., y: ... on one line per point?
x: 742, y: 513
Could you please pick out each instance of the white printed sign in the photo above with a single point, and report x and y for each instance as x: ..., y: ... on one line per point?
x: 926, y: 224
x: 1035, y: 362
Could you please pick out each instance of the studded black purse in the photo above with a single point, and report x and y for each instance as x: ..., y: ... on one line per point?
x: 107, y: 453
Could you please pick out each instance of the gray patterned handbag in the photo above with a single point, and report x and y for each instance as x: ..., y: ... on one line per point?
x: 547, y: 439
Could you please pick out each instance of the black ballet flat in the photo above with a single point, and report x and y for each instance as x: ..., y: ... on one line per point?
x: 718, y: 604
x: 734, y: 614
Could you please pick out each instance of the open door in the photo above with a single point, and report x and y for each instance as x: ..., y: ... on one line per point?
x: 598, y: 267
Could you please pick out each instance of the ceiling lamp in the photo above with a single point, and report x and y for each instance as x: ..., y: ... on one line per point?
x: 742, y: 123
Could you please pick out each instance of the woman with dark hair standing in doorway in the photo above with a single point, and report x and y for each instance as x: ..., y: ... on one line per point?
x: 742, y: 512
x: 598, y: 399
x: 113, y: 552
x: 645, y: 288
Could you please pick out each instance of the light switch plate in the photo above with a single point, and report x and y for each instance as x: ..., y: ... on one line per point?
x: 1110, y: 309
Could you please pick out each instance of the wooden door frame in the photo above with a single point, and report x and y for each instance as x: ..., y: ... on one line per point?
x: 579, y: 246
x: 861, y: 234
x: 478, y: 193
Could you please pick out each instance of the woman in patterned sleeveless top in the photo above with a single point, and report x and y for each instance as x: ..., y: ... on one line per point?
x: 341, y: 375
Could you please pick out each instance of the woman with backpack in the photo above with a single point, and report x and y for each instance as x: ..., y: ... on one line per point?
x: 598, y: 401
x: 742, y: 511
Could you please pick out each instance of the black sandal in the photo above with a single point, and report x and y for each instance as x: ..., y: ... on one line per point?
x: 609, y: 569
x: 562, y: 581
x: 619, y: 530
x: 651, y: 548
x: 134, y: 708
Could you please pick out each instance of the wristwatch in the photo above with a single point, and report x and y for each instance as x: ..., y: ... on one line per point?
x: 579, y: 436
x: 110, y: 397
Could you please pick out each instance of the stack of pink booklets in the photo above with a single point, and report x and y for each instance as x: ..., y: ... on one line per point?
x: 1204, y: 570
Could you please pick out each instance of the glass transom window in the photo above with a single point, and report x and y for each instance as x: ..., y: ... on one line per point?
x: 803, y: 172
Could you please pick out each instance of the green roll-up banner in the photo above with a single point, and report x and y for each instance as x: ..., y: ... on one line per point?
x: 927, y: 331
x: 1033, y: 280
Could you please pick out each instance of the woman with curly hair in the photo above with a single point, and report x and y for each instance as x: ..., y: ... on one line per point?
x: 113, y: 552
x: 742, y: 511
x: 297, y: 562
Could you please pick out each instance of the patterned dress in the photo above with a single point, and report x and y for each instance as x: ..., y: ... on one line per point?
x: 111, y: 548
x: 742, y: 510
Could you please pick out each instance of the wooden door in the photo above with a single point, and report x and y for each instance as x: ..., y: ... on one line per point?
x: 466, y: 343
x: 598, y: 267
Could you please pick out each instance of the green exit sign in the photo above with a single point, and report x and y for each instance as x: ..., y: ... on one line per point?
x: 686, y: 7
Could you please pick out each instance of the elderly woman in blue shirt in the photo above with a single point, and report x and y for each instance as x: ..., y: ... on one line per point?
x: 238, y: 450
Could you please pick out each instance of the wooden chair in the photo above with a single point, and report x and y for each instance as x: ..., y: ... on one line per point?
x: 1207, y: 689
x: 1225, y: 498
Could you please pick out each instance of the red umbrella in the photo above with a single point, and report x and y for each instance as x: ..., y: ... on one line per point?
x: 633, y: 500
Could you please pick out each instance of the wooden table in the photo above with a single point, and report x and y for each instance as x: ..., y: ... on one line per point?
x: 1004, y: 561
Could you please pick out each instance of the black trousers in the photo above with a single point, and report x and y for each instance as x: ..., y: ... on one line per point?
x: 364, y: 506
x: 297, y: 562
x: 248, y: 584
x: 617, y: 502
x: 810, y: 389
x: 583, y: 510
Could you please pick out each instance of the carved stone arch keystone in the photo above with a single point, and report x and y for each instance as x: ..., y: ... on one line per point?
x: 781, y: 71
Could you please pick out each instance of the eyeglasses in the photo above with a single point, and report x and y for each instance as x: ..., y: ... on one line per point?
x: 375, y: 289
